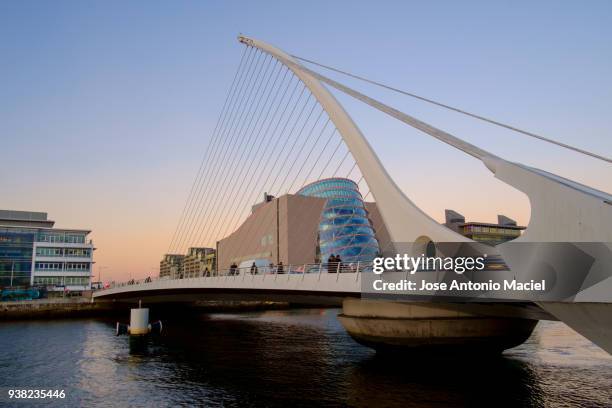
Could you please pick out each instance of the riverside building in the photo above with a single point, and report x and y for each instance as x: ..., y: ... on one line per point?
x: 33, y: 253
x: 198, y: 261
x: 325, y: 217
x: 506, y: 229
x: 171, y: 266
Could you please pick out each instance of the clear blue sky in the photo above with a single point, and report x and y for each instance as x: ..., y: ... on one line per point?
x: 105, y: 107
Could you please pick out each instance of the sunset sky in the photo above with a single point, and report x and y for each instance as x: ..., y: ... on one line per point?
x: 106, y: 107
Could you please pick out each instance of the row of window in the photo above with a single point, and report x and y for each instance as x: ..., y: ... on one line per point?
x: 59, y: 266
x: 496, y: 230
x: 61, y: 280
x: 67, y: 238
x: 68, y: 252
x: 344, y: 229
x: 336, y: 184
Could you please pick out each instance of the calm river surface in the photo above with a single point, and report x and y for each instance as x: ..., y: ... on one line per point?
x: 287, y: 359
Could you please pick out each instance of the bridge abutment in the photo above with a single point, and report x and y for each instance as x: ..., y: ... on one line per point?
x: 400, y: 326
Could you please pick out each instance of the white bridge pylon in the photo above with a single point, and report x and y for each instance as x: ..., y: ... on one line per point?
x: 561, y: 210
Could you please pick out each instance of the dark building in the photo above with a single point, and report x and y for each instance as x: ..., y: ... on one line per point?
x: 506, y: 228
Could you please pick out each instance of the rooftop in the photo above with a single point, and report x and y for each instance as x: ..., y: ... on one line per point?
x: 15, y: 218
x: 32, y: 219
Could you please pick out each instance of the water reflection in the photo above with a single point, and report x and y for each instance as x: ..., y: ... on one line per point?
x: 431, y: 382
x: 290, y: 358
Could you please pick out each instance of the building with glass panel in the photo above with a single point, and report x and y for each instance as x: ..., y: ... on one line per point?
x: 325, y: 217
x: 505, y: 230
x: 345, y: 229
x: 33, y: 253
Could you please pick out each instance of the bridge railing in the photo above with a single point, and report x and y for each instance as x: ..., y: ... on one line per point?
x: 280, y: 269
x: 492, y: 264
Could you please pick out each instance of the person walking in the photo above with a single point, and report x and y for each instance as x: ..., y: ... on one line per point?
x: 253, y: 269
x: 280, y: 268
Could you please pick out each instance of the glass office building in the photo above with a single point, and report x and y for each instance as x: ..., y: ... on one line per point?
x: 33, y: 253
x: 16, y: 248
x: 344, y: 228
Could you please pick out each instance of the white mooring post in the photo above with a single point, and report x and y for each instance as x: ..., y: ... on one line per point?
x: 139, y: 320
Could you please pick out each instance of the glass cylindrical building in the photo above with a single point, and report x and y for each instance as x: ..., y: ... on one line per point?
x: 344, y: 228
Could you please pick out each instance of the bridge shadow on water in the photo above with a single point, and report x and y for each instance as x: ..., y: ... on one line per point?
x: 304, y: 358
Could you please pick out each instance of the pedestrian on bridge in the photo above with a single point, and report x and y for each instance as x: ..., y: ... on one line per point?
x: 253, y: 269
x: 338, y: 264
x: 330, y: 263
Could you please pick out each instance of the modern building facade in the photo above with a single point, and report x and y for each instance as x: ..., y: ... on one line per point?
x: 198, y: 262
x: 325, y: 217
x: 345, y: 229
x: 506, y: 228
x: 33, y: 253
x: 171, y: 266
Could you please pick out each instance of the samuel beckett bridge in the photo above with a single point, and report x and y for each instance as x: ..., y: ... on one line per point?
x: 291, y: 203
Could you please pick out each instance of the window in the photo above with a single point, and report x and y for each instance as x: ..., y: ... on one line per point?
x: 43, y: 251
x: 48, y: 266
x: 78, y: 252
x: 77, y: 266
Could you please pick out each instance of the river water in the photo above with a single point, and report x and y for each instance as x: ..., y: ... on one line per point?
x: 288, y: 358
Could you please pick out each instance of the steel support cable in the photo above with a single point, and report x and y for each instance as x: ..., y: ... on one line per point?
x: 278, y: 122
x: 348, y: 175
x: 282, y: 132
x: 310, y: 133
x: 300, y: 205
x: 247, y: 111
x: 219, y: 147
x: 222, y: 151
x: 228, y: 142
x: 211, y: 144
x: 286, y: 123
x: 331, y: 157
x: 285, y: 108
x: 461, y: 111
x: 247, y: 197
x: 302, y: 146
x: 286, y: 141
x: 308, y: 156
x: 295, y: 141
x: 238, y: 201
x: 236, y: 224
x: 259, y: 142
x: 249, y: 145
x: 248, y: 237
x: 342, y: 161
x: 329, y: 139
x: 213, y: 141
x: 219, y: 196
x: 214, y: 227
x: 207, y: 151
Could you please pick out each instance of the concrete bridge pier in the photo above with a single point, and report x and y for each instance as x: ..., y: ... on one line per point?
x: 430, y: 327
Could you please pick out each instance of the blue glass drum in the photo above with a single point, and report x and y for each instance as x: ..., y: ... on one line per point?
x: 345, y: 228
